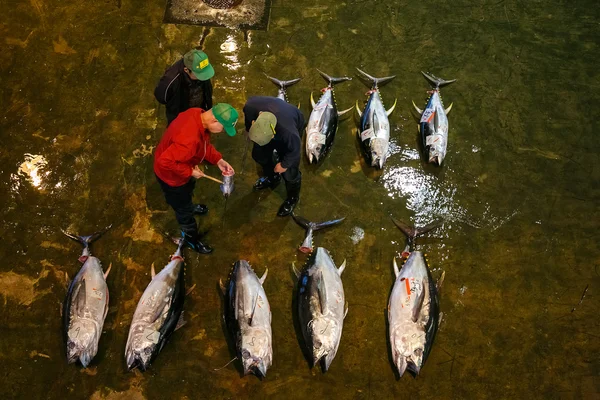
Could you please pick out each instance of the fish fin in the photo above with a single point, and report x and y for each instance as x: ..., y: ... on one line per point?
x: 222, y: 286
x: 283, y: 84
x: 447, y: 110
x: 436, y: 121
x: 340, y: 113
x: 440, y: 281
x: 408, y: 230
x: 312, y: 100
x: 441, y: 318
x: 327, y: 224
x: 417, y: 108
x: 190, y: 290
x: 391, y: 110
x: 296, y: 272
x: 80, y: 297
x: 322, y: 294
x: 358, y: 109
x: 262, y: 279
x: 435, y: 81
x: 107, y: 271
x: 332, y: 80
x: 67, y: 277
x: 298, y: 106
x: 152, y: 271
x: 419, y: 305
x: 181, y: 322
x: 303, y: 222
x: 342, y: 268
x: 253, y: 310
x: 87, y: 240
x: 375, y: 82
x: 396, y: 269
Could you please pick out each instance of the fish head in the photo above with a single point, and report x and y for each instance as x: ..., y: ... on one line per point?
x: 436, y: 145
x: 408, y: 350
x: 379, y: 149
x: 256, y: 352
x: 82, y: 341
x: 315, y: 146
x: 325, y: 340
x: 436, y: 156
x: 140, y: 358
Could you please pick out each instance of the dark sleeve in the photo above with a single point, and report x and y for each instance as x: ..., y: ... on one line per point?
x: 167, y: 85
x: 292, y: 144
x: 207, y: 91
x: 300, y: 121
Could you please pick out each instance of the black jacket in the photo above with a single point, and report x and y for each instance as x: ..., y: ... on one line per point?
x: 174, y: 88
x: 290, y: 124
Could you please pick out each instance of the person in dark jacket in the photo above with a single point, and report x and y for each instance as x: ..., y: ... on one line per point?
x: 184, y: 145
x: 274, y: 126
x: 186, y: 84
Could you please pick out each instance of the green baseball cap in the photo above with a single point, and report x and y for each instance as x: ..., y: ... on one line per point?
x: 227, y: 116
x: 263, y: 129
x: 197, y: 62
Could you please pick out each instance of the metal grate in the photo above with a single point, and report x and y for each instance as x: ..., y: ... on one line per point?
x: 222, y: 4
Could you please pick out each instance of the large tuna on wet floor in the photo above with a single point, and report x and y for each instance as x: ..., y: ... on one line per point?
x: 86, y: 305
x: 247, y: 316
x: 321, y: 307
x: 374, y: 132
x: 323, y: 121
x: 158, y: 313
x: 433, y: 124
x: 413, y: 309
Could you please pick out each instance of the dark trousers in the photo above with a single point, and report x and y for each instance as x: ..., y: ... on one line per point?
x: 268, y: 158
x: 180, y: 198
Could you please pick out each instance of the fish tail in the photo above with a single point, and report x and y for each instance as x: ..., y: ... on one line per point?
x: 436, y: 82
x: 412, y: 232
x: 333, y: 80
x: 306, y: 224
x: 375, y: 82
x: 283, y: 84
x: 325, y: 224
x: 85, y: 241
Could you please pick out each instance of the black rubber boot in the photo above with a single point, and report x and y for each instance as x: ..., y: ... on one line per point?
x: 293, y: 195
x: 267, y: 182
x: 192, y: 240
x: 200, y: 209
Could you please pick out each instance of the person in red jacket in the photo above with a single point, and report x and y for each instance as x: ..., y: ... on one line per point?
x: 184, y: 145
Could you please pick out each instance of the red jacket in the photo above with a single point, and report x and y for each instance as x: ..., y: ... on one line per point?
x: 184, y: 145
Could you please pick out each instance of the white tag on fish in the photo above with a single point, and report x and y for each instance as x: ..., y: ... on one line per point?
x: 316, y: 138
x: 151, y: 335
x: 434, y: 139
x: 368, y: 134
x: 427, y: 114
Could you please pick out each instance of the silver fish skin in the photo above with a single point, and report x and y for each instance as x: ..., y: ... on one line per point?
x: 157, y: 314
x: 413, y: 309
x: 433, y: 124
x: 321, y: 307
x: 374, y: 132
x: 86, y: 305
x: 282, y: 86
x: 323, y: 121
x: 248, y: 318
x: 227, y: 186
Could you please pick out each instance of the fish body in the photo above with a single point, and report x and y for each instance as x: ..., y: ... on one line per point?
x: 282, y: 86
x: 413, y: 309
x: 85, y: 306
x: 433, y: 124
x: 321, y: 307
x: 158, y: 313
x: 311, y: 227
x: 227, y: 186
x: 374, y: 132
x: 248, y: 318
x: 323, y: 121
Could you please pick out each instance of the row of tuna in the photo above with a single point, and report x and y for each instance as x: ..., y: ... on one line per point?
x: 374, y: 132
x: 413, y: 308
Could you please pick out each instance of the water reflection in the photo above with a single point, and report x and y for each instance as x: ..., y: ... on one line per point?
x: 32, y: 169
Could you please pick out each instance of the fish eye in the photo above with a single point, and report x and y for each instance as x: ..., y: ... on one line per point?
x: 148, y: 351
x: 246, y: 354
x: 318, y: 345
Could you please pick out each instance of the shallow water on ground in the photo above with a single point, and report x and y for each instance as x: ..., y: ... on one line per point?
x: 518, y: 193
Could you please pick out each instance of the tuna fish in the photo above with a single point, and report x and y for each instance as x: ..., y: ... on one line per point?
x: 248, y: 318
x: 323, y: 121
x: 86, y: 305
x: 374, y: 133
x: 321, y: 307
x: 307, y: 244
x: 283, y: 85
x: 159, y: 312
x: 433, y: 125
x: 413, y: 309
